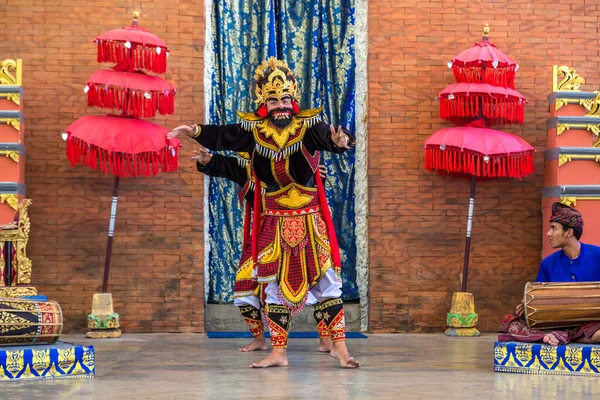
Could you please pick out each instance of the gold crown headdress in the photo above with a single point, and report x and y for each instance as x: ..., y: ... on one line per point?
x: 274, y: 79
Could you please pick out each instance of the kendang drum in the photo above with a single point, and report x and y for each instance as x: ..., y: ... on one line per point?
x: 561, y: 305
x: 29, y: 322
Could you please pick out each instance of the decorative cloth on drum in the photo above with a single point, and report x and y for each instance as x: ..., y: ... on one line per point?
x: 566, y: 215
x: 29, y: 322
x: 558, y: 267
x: 253, y: 318
x: 514, y: 328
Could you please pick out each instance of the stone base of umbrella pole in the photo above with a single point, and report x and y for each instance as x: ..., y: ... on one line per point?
x: 462, y: 319
x: 103, y: 321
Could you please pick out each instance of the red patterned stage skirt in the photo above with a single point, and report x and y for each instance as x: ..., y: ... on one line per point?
x: 293, y: 244
x: 245, y: 281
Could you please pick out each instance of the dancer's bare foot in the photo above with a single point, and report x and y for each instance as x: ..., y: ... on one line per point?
x: 333, y: 353
x: 343, y: 355
x: 277, y: 358
x: 551, y: 340
x: 325, y: 345
x: 259, y: 343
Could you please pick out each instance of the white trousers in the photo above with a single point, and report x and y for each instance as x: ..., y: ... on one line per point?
x: 329, y: 287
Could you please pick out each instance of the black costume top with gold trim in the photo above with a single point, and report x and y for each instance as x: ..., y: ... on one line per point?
x: 235, y: 168
x: 294, y: 145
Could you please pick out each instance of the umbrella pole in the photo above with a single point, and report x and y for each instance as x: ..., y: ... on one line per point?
x: 468, y: 241
x: 111, y: 232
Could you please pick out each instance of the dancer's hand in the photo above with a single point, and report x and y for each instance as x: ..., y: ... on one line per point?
x: 322, y: 171
x: 203, y: 156
x: 188, y: 130
x: 339, y: 137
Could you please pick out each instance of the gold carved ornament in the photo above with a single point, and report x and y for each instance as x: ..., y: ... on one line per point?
x: 594, y: 128
x: 592, y: 105
x: 6, y: 75
x: 14, y: 122
x: 17, y: 291
x: 12, y: 154
x: 565, y: 158
x: 11, y: 199
x: 11, y: 75
x: 571, y: 201
x: 19, y: 238
x: 570, y: 79
x: 14, y: 97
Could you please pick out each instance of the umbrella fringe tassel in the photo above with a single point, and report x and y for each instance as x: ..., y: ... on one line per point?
x: 121, y: 164
x: 131, y: 102
x: 137, y: 57
x: 494, y: 109
x: 516, y: 165
x: 500, y: 76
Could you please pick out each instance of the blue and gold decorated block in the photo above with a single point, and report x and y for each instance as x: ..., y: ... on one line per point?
x: 60, y: 360
x: 537, y: 358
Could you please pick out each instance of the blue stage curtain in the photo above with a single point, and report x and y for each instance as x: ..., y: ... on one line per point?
x: 316, y: 38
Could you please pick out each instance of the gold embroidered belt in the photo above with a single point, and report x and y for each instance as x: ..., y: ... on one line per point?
x: 292, y: 200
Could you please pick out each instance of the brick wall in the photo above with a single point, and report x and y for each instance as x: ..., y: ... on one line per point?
x: 417, y: 220
x: 157, y: 269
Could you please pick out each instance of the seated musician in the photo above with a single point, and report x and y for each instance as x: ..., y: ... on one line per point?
x: 574, y: 262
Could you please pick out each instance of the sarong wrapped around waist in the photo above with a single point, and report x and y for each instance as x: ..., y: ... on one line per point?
x: 293, y: 244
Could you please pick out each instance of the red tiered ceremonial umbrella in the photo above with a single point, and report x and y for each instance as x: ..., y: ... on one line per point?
x: 124, y: 145
x: 484, y: 63
x: 483, y: 95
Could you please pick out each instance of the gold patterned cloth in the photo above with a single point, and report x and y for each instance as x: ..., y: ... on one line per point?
x: 29, y: 321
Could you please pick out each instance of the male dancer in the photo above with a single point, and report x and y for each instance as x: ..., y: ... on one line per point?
x: 247, y: 291
x: 293, y: 243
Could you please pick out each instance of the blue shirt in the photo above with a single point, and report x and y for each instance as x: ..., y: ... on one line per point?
x: 557, y: 267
